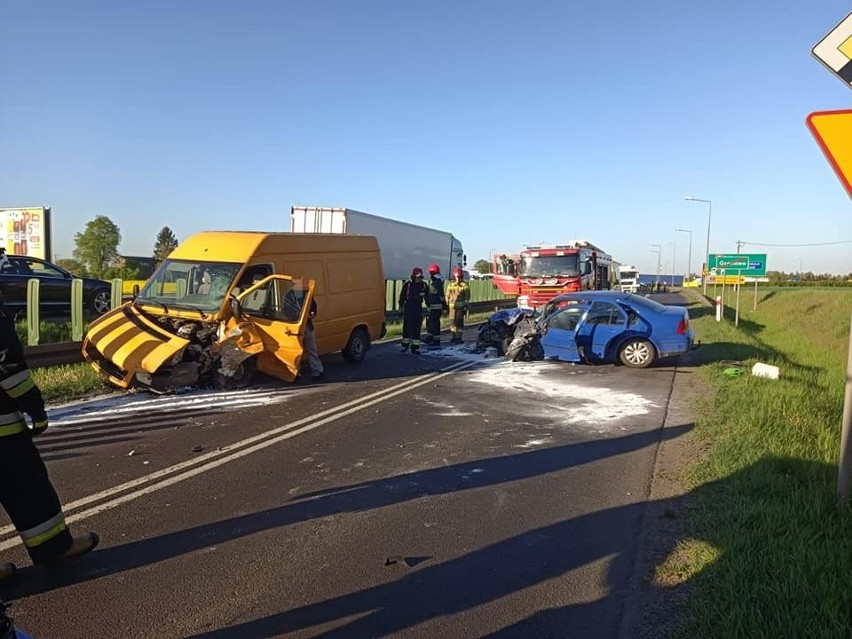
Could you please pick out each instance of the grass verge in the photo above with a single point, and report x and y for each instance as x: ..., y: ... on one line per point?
x: 769, y: 554
x: 74, y: 381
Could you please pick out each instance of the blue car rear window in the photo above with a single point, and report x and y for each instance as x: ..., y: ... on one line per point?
x: 638, y: 300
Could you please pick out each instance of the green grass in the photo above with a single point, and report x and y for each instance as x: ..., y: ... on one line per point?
x: 769, y: 553
x: 49, y: 332
x: 74, y: 381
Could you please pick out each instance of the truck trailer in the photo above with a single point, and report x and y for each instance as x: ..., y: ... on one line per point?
x: 403, y: 246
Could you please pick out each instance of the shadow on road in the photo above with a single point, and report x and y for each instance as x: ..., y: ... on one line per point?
x: 494, y: 572
x: 345, y: 499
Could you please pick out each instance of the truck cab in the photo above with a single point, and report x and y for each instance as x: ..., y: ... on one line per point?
x: 628, y: 279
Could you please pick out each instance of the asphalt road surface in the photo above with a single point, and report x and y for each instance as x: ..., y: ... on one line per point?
x: 449, y: 495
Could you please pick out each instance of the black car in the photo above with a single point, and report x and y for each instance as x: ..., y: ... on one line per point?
x: 54, y: 287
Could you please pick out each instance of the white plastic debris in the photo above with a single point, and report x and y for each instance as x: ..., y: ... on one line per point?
x: 765, y: 370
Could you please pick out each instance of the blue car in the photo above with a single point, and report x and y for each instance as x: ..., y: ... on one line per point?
x: 609, y: 326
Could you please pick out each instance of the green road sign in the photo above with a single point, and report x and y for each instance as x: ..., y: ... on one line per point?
x: 746, y: 264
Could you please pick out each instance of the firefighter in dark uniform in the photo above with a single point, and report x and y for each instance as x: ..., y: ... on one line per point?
x: 411, y: 300
x: 26, y: 492
x: 436, y: 304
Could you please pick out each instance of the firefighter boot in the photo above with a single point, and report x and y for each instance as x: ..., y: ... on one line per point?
x: 7, y: 570
x: 81, y: 546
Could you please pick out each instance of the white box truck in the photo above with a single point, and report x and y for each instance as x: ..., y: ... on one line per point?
x: 403, y: 246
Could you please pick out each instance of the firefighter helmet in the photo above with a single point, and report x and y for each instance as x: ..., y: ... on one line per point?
x: 457, y: 272
x: 417, y: 272
x: 434, y: 269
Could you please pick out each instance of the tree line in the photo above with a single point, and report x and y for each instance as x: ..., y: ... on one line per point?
x: 96, y: 252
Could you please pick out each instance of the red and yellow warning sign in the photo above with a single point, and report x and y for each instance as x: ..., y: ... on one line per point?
x: 833, y: 132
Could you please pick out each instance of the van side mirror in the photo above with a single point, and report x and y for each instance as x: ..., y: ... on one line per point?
x: 236, y: 308
x: 135, y: 290
x: 464, y: 260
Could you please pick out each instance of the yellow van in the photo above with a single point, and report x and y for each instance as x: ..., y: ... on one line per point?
x: 226, y: 304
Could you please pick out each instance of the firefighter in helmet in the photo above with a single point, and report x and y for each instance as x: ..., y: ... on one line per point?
x: 26, y: 492
x: 458, y: 297
x: 436, y: 304
x: 411, y: 300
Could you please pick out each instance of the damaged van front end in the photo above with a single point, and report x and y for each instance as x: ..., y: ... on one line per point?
x: 163, y: 342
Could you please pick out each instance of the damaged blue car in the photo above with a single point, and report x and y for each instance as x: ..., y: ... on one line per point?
x: 592, y: 326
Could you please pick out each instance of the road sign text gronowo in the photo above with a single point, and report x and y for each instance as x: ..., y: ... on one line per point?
x: 745, y: 264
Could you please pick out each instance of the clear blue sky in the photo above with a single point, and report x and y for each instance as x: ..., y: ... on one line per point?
x: 504, y: 122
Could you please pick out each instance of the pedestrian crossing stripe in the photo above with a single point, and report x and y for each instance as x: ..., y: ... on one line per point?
x: 835, y: 50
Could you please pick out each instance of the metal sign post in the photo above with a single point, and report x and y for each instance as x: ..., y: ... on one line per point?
x: 845, y: 471
x: 755, y: 294
x: 737, y: 312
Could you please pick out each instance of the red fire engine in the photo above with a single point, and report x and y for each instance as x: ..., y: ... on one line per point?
x: 539, y: 273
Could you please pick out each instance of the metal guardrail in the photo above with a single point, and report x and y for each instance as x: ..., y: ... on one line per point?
x: 53, y: 354
x: 473, y: 307
x: 70, y: 352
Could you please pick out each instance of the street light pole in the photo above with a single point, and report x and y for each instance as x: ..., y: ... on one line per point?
x: 658, y: 249
x: 689, y: 263
x: 674, y: 259
x: 709, y: 216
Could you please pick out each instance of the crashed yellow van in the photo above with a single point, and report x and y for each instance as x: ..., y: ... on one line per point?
x: 226, y: 304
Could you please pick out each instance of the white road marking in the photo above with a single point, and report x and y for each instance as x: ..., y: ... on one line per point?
x: 214, y: 459
x: 113, y: 408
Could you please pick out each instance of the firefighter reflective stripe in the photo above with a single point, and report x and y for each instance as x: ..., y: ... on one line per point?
x: 17, y: 384
x: 12, y: 424
x: 45, y: 531
x: 436, y: 307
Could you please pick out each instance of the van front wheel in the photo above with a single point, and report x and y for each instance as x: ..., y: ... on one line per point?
x: 242, y: 378
x: 356, y: 349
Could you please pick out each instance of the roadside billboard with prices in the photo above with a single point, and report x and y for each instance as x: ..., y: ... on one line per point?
x: 26, y: 231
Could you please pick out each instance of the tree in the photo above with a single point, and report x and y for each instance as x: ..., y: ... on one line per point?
x: 482, y: 266
x: 97, y: 245
x: 72, y: 266
x: 165, y: 244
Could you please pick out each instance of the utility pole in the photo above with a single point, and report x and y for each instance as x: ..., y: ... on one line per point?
x: 740, y: 244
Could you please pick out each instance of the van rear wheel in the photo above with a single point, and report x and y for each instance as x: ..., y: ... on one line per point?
x: 357, y: 347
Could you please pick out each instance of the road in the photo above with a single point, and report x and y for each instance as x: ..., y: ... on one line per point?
x: 443, y: 496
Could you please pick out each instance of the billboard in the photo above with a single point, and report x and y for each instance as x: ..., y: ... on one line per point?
x: 26, y: 231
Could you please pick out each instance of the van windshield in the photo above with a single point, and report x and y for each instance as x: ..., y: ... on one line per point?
x: 198, y: 285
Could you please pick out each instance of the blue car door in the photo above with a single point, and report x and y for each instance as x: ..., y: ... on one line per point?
x: 559, y: 338
x: 602, y: 323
